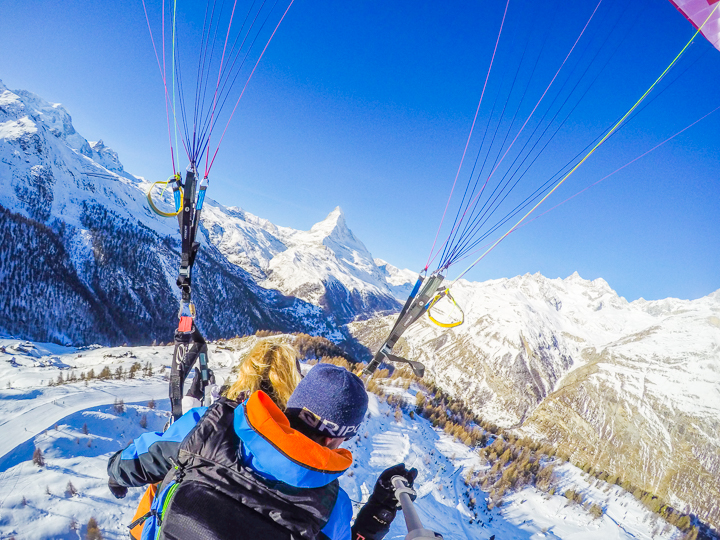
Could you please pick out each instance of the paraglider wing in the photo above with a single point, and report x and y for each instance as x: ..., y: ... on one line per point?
x: 697, y: 12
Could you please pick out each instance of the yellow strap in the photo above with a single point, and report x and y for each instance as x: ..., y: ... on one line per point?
x: 152, y: 204
x: 438, y: 296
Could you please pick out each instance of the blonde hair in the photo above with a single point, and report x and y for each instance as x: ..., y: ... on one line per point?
x: 270, y: 367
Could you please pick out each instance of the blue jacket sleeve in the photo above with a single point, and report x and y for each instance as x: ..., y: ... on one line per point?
x: 338, y: 526
x: 148, y: 458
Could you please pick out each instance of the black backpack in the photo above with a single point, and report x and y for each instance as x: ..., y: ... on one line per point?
x: 212, y: 495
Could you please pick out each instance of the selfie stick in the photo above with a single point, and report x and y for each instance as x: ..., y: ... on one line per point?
x: 405, y: 494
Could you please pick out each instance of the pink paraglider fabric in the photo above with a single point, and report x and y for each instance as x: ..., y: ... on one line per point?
x: 697, y: 12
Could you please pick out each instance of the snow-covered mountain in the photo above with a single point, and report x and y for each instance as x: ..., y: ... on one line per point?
x: 77, y: 426
x: 630, y: 388
x: 87, y: 261
x: 326, y: 266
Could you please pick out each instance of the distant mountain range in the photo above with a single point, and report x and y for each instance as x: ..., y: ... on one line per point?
x: 630, y: 388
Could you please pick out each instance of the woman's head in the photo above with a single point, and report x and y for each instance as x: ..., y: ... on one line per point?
x: 270, y: 367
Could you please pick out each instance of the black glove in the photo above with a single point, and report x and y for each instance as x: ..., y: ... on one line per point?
x: 196, y: 389
x: 384, y: 492
x: 374, y: 519
x: 116, y: 489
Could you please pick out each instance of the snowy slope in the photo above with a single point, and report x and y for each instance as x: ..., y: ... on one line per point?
x: 77, y: 444
x: 632, y: 388
x: 87, y: 261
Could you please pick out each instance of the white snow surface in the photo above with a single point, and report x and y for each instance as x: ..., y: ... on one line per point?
x: 77, y: 430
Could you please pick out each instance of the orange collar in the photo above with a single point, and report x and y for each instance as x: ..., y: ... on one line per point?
x: 269, y: 421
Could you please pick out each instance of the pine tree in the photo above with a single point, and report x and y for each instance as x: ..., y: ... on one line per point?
x: 143, y: 421
x: 151, y: 404
x: 38, y: 458
x: 85, y: 429
x: 93, y: 530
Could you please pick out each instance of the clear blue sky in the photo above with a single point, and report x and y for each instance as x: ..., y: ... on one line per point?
x: 368, y: 105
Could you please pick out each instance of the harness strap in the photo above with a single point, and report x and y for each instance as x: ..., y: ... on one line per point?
x: 190, y: 346
x: 141, y: 519
x: 415, y: 306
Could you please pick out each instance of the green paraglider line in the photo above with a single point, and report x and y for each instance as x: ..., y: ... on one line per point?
x: 173, y: 72
x: 591, y: 152
x: 498, y: 163
x: 164, y: 78
x: 598, y: 181
x: 467, y: 143
x: 621, y: 168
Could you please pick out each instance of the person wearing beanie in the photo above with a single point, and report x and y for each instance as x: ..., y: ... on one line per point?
x: 248, y: 470
x: 331, y: 403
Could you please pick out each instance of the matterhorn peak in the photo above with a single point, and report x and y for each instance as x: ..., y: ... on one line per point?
x: 334, y: 220
x: 334, y: 228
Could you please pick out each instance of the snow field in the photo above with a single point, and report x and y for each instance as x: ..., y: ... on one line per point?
x: 74, y: 456
x: 35, y: 503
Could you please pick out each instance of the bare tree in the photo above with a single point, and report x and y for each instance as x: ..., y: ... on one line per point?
x: 70, y: 490
x: 38, y: 458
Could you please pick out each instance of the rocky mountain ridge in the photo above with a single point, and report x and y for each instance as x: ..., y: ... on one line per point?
x: 630, y: 388
x: 84, y: 258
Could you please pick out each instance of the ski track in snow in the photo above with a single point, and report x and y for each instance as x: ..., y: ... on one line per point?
x: 389, y: 449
